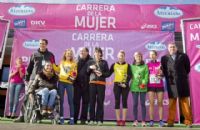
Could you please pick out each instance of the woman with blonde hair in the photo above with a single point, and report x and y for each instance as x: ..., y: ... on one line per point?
x: 16, y: 83
x: 122, y: 72
x: 67, y: 70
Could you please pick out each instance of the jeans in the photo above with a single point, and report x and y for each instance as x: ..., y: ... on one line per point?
x: 48, y: 97
x: 62, y: 86
x: 14, y: 92
x: 142, y: 103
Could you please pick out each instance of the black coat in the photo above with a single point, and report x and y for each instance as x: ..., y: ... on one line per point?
x: 102, y: 67
x: 35, y: 65
x: 82, y: 77
x: 176, y: 74
x: 41, y: 81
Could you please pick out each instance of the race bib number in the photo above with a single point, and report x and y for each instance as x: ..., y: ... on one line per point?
x: 153, y: 79
x: 43, y: 62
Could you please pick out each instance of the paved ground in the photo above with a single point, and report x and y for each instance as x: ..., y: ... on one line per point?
x: 22, y: 126
x: 7, y: 124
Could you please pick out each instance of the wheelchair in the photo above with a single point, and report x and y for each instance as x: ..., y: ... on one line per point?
x: 33, y: 110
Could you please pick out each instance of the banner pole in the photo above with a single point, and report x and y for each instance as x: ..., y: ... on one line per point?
x: 5, y: 42
x: 183, y: 36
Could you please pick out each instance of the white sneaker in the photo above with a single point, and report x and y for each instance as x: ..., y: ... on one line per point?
x: 91, y: 123
x: 143, y: 124
x: 99, y: 123
x: 135, y: 123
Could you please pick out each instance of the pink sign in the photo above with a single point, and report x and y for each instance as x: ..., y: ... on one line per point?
x: 98, y: 16
x: 192, y: 44
x: 26, y: 42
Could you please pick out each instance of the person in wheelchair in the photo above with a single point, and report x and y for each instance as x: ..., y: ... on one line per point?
x: 45, y: 85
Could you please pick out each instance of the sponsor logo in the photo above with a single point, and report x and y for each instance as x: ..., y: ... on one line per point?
x: 165, y: 102
x: 198, y: 46
x: 106, y: 103
x: 21, y: 10
x: 31, y: 44
x: 149, y: 26
x: 39, y: 23
x: 158, y: 46
x: 25, y: 58
x: 20, y: 23
x: 168, y: 12
x: 168, y: 26
x: 197, y: 67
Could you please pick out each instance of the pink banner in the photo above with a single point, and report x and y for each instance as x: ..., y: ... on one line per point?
x: 3, y: 29
x: 98, y: 16
x: 26, y: 42
x: 192, y: 44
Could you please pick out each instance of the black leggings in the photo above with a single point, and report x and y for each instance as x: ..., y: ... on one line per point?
x: 118, y: 91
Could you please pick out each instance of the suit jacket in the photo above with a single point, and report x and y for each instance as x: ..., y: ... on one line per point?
x: 176, y: 74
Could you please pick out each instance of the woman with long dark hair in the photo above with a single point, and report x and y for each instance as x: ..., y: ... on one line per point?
x: 45, y: 84
x: 155, y: 87
x: 98, y: 71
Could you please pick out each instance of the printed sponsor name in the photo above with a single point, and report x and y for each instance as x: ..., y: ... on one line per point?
x: 149, y: 26
x: 21, y: 10
x: 20, y: 23
x: 31, y: 44
x: 168, y: 12
x: 168, y: 26
x: 158, y: 46
x: 38, y: 23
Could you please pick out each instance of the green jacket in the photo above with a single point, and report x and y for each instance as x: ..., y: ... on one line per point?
x: 140, y: 75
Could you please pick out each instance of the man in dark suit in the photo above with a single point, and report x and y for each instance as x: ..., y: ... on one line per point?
x: 176, y: 67
x: 81, y: 87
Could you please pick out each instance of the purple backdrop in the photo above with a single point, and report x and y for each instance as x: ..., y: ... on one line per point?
x: 26, y: 41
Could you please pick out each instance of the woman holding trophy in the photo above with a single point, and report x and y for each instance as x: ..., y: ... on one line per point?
x: 140, y: 76
x: 155, y: 87
x: 67, y: 71
x: 122, y: 72
x: 98, y: 71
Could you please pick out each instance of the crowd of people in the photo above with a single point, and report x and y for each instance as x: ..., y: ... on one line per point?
x: 84, y: 81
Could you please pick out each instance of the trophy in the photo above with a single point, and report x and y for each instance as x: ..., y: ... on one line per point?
x: 122, y: 84
x: 97, y: 69
x: 159, y: 73
x: 142, y: 86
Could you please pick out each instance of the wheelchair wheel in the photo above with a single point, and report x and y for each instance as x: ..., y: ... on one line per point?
x: 56, y: 119
x: 28, y: 112
x: 33, y: 118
